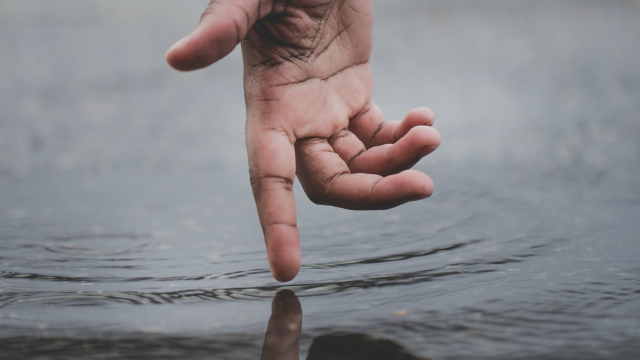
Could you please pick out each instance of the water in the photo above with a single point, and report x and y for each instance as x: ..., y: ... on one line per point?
x: 128, y: 229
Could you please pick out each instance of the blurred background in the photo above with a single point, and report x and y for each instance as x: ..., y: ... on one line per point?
x: 117, y: 170
x: 537, y: 86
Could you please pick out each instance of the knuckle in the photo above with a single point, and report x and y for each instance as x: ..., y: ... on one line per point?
x: 315, y: 198
x: 270, y: 182
x: 315, y: 193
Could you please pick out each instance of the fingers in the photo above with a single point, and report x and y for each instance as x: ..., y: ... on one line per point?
x: 222, y: 26
x: 386, y: 159
x: 374, y: 192
x: 272, y: 170
x: 282, y: 340
x: 326, y: 179
x: 369, y: 125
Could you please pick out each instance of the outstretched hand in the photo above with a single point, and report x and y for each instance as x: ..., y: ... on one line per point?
x: 308, y: 87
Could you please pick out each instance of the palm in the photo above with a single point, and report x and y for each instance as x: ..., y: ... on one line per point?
x: 308, y: 86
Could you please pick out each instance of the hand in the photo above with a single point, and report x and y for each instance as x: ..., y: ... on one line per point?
x: 308, y: 87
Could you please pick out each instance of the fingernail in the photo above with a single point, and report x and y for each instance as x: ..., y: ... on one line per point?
x: 427, y: 149
x: 178, y: 43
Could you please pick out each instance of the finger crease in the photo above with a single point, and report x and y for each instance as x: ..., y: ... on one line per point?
x: 375, y: 133
x: 328, y: 183
x: 259, y: 180
x: 293, y: 225
x: 355, y: 157
x: 371, y: 197
x: 342, y: 134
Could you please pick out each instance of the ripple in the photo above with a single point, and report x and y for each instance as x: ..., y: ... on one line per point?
x: 242, y: 273
x: 127, y: 345
x: 394, y: 257
x: 240, y: 293
x: 452, y: 269
x: 95, y: 244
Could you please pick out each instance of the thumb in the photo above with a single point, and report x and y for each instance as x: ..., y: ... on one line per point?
x: 222, y: 26
x: 272, y: 166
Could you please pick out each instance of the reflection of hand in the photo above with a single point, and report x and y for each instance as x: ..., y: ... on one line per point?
x: 308, y: 87
x: 356, y: 347
x: 281, y: 342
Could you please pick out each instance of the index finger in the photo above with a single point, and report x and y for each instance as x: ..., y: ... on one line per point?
x: 272, y: 169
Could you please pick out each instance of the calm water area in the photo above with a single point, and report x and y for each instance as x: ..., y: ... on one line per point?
x: 128, y: 228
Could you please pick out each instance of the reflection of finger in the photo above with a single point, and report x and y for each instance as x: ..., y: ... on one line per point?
x: 386, y: 159
x: 281, y: 342
x: 369, y: 125
x: 272, y: 170
x: 222, y: 26
x: 327, y: 180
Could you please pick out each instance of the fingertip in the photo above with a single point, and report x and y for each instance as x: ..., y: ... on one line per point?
x: 176, y: 45
x: 427, y: 188
x: 283, y: 330
x: 285, y: 300
x: 422, y: 135
x: 426, y: 150
x: 209, y: 42
x: 417, y: 117
x: 433, y: 142
x: 283, y: 251
x: 286, y: 268
x: 286, y: 304
x: 419, y: 184
x: 178, y: 58
x: 423, y: 114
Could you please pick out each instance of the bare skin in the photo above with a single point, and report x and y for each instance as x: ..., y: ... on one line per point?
x: 308, y: 87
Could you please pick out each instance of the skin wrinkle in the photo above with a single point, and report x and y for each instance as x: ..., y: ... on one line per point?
x: 324, y: 78
x: 236, y: 25
x: 310, y: 141
x: 270, y: 9
x: 272, y: 62
x: 377, y: 131
x: 355, y: 157
x: 317, y: 34
x: 328, y: 183
x: 365, y: 109
x: 335, y: 38
x: 318, y: 26
x: 259, y: 11
x: 279, y: 128
x: 358, y: 11
x: 258, y: 179
x: 248, y: 23
x: 345, y: 68
x: 293, y: 225
x: 343, y: 133
x: 320, y: 34
x: 308, y: 52
x: 324, y: 105
x: 287, y: 46
x: 371, y: 197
